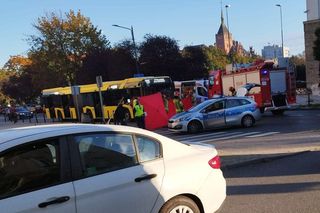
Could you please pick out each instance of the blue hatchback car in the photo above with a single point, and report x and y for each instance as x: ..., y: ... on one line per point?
x: 217, y: 112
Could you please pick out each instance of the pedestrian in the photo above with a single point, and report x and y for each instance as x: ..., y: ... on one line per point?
x: 13, y: 113
x: 139, y: 114
x: 119, y: 116
x: 232, y: 91
x: 178, y: 104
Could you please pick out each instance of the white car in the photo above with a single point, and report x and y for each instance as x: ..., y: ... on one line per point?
x: 103, y: 168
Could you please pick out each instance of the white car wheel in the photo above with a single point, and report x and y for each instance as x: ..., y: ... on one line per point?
x: 180, y: 204
x: 181, y: 209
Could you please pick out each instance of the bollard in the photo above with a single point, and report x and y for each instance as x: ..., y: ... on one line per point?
x: 309, y: 99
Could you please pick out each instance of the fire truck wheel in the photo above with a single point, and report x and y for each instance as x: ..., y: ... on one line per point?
x: 194, y: 127
x: 262, y: 109
x: 247, y: 121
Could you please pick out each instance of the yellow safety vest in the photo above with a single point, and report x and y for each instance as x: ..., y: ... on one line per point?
x: 139, y: 110
x: 178, y: 105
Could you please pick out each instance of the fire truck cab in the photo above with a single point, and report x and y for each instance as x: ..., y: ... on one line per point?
x: 271, y: 87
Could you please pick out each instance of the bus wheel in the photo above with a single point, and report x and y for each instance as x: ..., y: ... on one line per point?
x: 194, y: 127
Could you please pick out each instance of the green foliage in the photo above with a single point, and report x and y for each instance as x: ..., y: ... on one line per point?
x: 196, y: 62
x: 217, y: 58
x: 20, y: 88
x: 4, y: 77
x: 300, y: 69
x: 64, y: 42
x: 160, y: 55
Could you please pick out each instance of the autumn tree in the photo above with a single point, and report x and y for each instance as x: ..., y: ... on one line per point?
x: 65, y: 41
x: 4, y: 78
x: 16, y: 63
x: 17, y: 83
x: 20, y: 88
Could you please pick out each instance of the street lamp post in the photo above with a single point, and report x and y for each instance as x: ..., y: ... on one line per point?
x: 279, y: 5
x: 227, y: 6
x: 134, y: 45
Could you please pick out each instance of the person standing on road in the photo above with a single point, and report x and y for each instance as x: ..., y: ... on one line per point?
x: 120, y: 115
x: 13, y: 113
x: 178, y: 104
x: 139, y: 114
x: 232, y: 91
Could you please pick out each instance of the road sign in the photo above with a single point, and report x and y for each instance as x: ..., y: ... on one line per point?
x: 99, y: 81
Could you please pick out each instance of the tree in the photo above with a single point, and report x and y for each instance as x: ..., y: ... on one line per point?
x: 16, y: 63
x: 160, y: 55
x: 217, y: 58
x: 4, y: 77
x: 123, y: 60
x: 300, y: 69
x: 20, y: 88
x: 64, y: 42
x: 196, y: 62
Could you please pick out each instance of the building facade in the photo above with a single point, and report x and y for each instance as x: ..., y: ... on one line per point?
x: 274, y: 51
x: 310, y: 26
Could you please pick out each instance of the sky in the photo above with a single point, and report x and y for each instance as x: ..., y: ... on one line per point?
x: 191, y: 22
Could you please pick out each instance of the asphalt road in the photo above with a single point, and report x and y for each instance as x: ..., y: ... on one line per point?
x: 290, y: 184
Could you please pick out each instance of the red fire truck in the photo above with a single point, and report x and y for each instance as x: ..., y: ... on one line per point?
x: 272, y: 88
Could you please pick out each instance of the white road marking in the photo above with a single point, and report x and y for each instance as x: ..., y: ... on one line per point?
x: 227, y: 137
x: 182, y: 137
x: 261, y: 135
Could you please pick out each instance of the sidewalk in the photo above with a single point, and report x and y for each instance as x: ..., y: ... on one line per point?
x: 302, y: 101
x: 241, y: 157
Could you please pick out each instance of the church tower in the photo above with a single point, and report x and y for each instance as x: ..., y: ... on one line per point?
x: 224, y: 39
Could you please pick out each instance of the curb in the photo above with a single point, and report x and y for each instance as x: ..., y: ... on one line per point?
x: 260, y: 160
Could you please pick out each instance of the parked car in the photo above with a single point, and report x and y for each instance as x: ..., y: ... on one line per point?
x: 105, y: 168
x: 217, y: 112
x: 23, y: 113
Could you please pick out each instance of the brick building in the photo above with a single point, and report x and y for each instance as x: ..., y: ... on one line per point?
x: 312, y: 23
x: 225, y: 41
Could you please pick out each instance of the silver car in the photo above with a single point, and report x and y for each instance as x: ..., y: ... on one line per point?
x: 217, y: 112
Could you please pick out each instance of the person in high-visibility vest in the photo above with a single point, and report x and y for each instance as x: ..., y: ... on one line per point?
x: 178, y: 104
x: 139, y: 114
